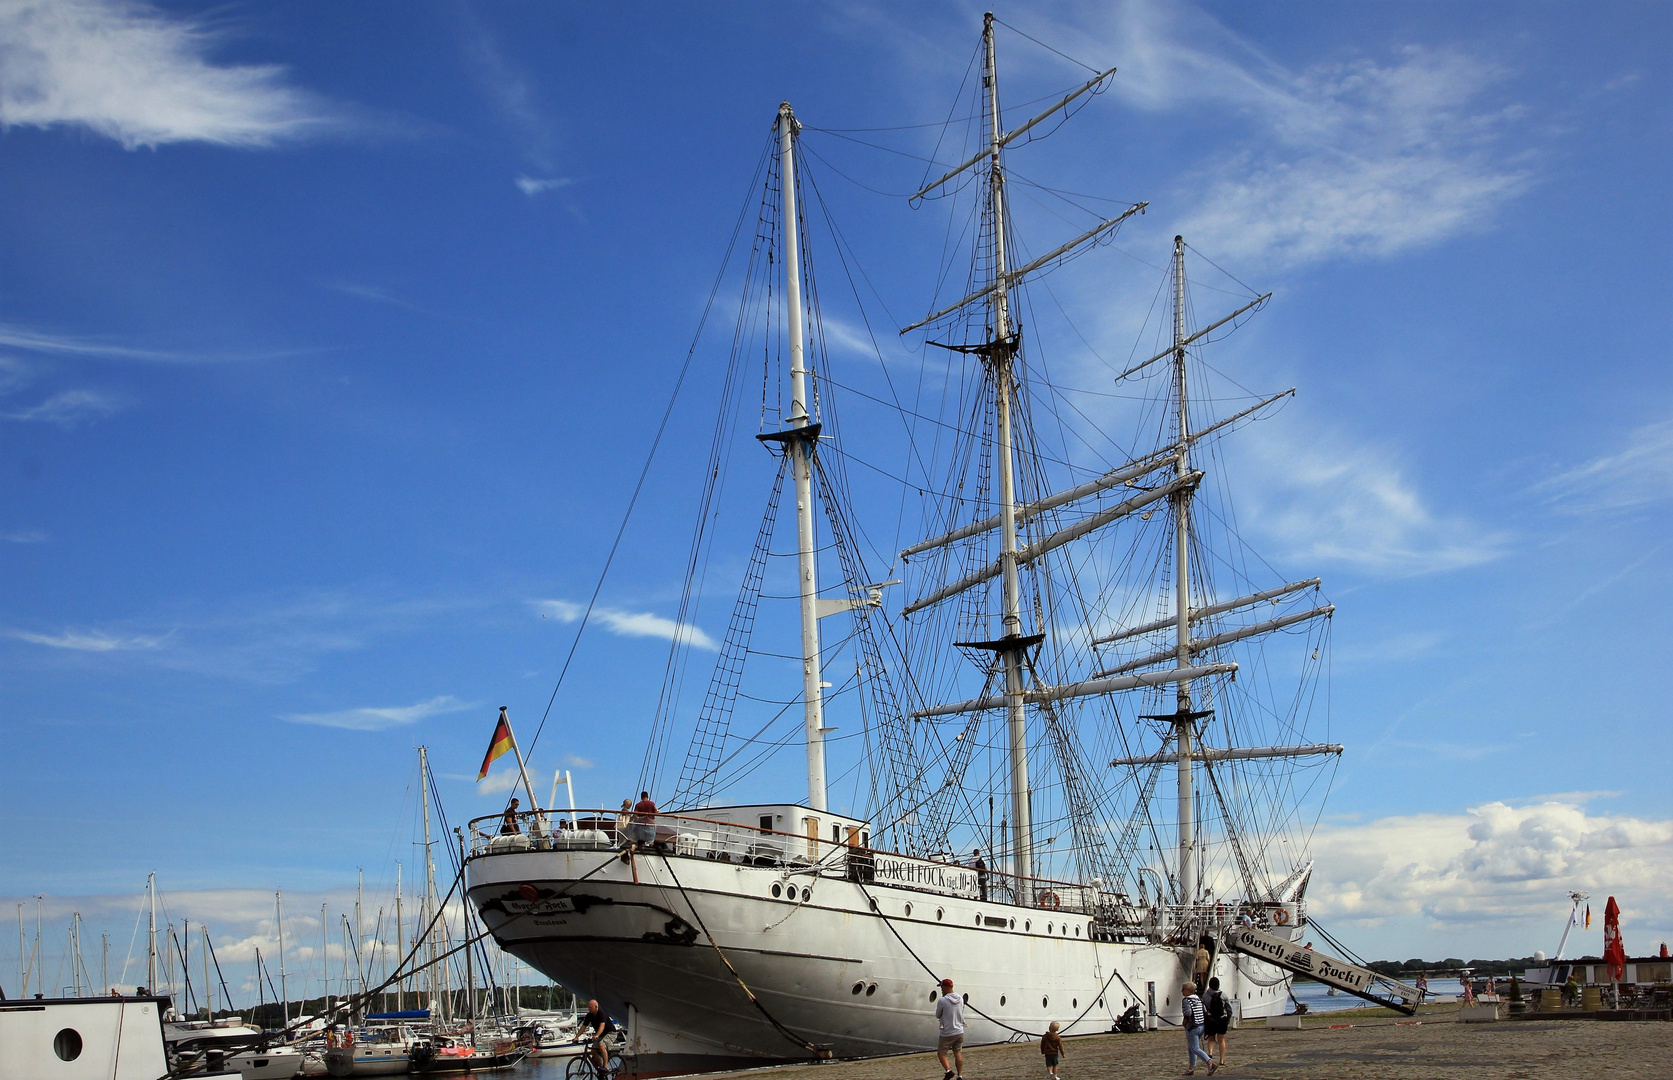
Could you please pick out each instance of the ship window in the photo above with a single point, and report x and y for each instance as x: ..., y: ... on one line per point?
x: 1001, y: 999
x: 865, y: 839
x: 978, y: 918
x: 1048, y: 928
x: 807, y: 894
x: 1074, y: 1003
x: 67, y: 1044
x: 766, y: 823
x: 857, y: 988
x: 1013, y: 924
x: 1028, y: 924
x: 939, y: 912
x: 777, y: 891
x: 1077, y: 931
x: 871, y: 988
x: 909, y: 910
x: 1043, y: 1002
x: 932, y: 995
x: 873, y: 903
x: 836, y: 833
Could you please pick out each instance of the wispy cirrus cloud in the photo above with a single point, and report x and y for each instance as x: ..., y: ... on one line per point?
x: 381, y: 719
x: 1638, y: 474
x: 68, y: 408
x: 629, y: 623
x: 1357, y: 156
x: 94, y: 641
x: 136, y: 74
x: 533, y: 185
x: 25, y: 536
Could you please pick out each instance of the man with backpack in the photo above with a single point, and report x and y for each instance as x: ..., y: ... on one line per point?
x: 1217, y: 1021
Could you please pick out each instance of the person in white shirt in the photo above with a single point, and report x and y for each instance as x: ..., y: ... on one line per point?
x: 949, y: 1012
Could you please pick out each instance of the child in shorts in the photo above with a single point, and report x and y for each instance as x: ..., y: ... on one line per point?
x: 1051, y: 1045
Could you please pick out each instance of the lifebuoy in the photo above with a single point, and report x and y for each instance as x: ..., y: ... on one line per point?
x: 1049, y: 901
x: 1281, y: 916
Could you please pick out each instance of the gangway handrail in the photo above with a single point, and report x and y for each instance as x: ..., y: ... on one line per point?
x: 1361, y: 982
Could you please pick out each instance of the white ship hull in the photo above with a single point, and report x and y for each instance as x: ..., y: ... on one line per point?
x: 835, y: 973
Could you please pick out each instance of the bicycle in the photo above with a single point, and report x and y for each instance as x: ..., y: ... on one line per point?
x: 583, y: 1067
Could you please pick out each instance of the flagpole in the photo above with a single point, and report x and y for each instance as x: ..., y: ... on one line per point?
x: 534, y: 804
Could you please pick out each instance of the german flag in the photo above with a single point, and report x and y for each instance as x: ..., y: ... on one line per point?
x: 502, y: 743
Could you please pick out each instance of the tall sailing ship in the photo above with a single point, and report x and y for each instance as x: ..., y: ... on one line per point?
x: 1083, y: 635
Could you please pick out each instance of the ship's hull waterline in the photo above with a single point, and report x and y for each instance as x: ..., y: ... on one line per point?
x: 831, y: 970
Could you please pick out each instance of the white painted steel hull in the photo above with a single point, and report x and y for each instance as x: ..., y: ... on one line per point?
x: 636, y: 946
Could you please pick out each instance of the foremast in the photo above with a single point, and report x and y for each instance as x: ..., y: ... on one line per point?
x: 1181, y: 500
x: 800, y: 442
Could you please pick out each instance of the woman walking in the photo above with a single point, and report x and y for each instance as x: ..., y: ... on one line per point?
x: 1192, y: 1018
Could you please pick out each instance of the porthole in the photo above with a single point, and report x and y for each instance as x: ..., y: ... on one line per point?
x: 1043, y: 1002
x: 871, y: 988
x: 1101, y: 1002
x: 938, y: 914
x: 932, y: 995
x: 1028, y: 924
x: 67, y: 1044
x: 807, y: 894
x: 978, y: 918
x: 777, y: 891
x: 1077, y: 931
x: 857, y: 988
x: 909, y: 911
x: 1074, y: 1003
x: 1013, y: 924
x: 1001, y: 999
x: 1048, y: 928
x: 873, y: 902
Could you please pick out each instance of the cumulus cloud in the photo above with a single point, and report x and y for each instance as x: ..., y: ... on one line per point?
x: 96, y: 641
x: 1636, y: 475
x: 1498, y: 863
x: 132, y: 73
x: 379, y: 719
x: 629, y: 623
x: 68, y: 408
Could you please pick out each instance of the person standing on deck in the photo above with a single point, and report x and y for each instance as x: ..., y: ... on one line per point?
x: 981, y: 869
x: 508, y: 823
x: 949, y: 1012
x: 644, y: 821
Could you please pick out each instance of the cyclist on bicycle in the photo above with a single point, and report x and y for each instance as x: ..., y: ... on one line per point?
x: 596, y: 1028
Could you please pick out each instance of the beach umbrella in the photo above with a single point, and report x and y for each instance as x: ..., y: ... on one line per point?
x: 1614, y: 954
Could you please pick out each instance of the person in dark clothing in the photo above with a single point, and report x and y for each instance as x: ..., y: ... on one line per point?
x: 595, y: 1028
x: 981, y: 869
x: 1051, y: 1045
x: 1217, y: 1021
x: 508, y: 823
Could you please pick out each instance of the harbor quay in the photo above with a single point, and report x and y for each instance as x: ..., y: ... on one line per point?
x: 1350, y: 1045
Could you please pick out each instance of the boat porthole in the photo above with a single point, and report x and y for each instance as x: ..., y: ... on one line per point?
x: 909, y: 910
x: 1074, y: 1003
x: 1028, y: 924
x: 1077, y: 931
x: 1048, y: 928
x: 807, y: 894
x: 1001, y: 999
x: 1043, y: 1002
x: 857, y: 988
x: 777, y: 891
x: 938, y: 914
x: 1100, y: 1003
x: 873, y: 901
x: 932, y: 995
x: 1013, y: 924
x: 871, y: 988
x: 978, y: 918
x: 67, y: 1044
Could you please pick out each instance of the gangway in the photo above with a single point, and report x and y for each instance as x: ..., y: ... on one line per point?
x: 1361, y: 982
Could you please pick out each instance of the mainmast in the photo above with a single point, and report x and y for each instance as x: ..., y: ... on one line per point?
x: 1002, y: 351
x: 799, y: 442
x: 1181, y: 500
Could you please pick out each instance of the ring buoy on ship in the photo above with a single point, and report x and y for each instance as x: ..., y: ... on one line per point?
x: 1049, y: 901
x: 1281, y: 916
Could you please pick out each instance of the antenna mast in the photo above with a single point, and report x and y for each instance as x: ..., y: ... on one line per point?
x: 151, y: 935
x: 803, y: 436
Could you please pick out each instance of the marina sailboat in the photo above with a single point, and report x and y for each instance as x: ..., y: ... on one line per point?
x: 1093, y: 691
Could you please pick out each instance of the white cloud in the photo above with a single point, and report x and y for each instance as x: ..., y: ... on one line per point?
x: 532, y: 186
x: 86, y: 641
x: 1358, y: 157
x: 379, y: 719
x: 498, y: 783
x: 576, y: 761
x: 1639, y: 474
x: 69, y: 408
x: 25, y: 536
x: 629, y: 623
x: 134, y: 74
x: 1332, y: 501
x: 1494, y: 865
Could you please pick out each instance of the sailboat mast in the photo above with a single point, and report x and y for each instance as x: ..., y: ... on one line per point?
x: 1181, y: 500
x: 151, y: 935
x: 801, y: 465
x: 284, y: 991
x: 1003, y: 350
x: 430, y: 893
x: 400, y: 943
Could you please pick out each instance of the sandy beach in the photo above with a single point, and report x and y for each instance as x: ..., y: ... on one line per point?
x: 1375, y: 1047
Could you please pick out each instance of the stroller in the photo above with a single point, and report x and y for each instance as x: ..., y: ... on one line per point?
x: 1129, y: 1022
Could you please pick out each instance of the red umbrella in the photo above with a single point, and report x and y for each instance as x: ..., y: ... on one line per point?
x: 1614, y: 953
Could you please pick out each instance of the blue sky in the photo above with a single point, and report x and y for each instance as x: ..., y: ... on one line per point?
x: 331, y: 337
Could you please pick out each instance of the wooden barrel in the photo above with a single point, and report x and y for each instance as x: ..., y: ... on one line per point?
x: 1591, y: 998
x: 1551, y: 998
